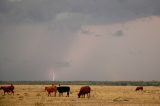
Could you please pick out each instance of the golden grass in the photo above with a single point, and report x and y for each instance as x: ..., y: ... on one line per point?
x: 34, y: 95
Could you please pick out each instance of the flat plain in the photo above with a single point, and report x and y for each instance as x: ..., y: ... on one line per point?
x: 35, y: 95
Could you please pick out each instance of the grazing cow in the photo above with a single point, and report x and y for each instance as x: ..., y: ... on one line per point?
x: 62, y: 89
x: 49, y: 86
x: 51, y: 89
x: 139, y: 88
x: 45, y: 88
x: 84, y: 90
x: 8, y: 89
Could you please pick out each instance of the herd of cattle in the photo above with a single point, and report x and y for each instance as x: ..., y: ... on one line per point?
x: 61, y: 89
x: 53, y: 89
x: 85, y: 90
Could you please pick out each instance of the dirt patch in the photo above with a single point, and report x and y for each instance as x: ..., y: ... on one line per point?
x: 118, y: 99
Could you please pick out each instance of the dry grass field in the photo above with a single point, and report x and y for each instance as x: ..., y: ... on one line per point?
x: 34, y: 95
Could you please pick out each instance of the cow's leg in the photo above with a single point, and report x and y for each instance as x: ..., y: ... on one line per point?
x: 60, y: 94
x: 49, y: 94
x: 55, y: 93
x: 12, y: 92
x: 67, y: 94
x: 4, y: 92
x: 8, y: 92
x: 82, y: 95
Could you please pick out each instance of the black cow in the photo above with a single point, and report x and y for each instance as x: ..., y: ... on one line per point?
x: 62, y: 89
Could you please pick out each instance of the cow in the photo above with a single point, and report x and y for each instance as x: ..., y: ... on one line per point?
x: 8, y: 89
x: 48, y: 87
x: 84, y: 90
x: 51, y: 89
x: 139, y: 88
x: 45, y: 88
x: 62, y: 89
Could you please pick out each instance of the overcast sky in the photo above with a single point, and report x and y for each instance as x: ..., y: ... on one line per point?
x: 113, y: 40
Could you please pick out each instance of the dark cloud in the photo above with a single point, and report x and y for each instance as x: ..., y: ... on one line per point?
x: 94, y: 11
x: 39, y: 35
x: 28, y: 11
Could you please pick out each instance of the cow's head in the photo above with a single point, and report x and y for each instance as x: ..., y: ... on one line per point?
x: 1, y: 87
x: 79, y: 94
x: 46, y: 88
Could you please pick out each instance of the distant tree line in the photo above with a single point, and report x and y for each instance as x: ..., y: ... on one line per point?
x: 109, y: 83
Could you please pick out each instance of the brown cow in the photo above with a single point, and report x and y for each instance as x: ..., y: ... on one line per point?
x: 84, y: 90
x: 51, y: 89
x: 139, y: 88
x: 8, y: 89
x: 46, y: 87
x: 49, y: 86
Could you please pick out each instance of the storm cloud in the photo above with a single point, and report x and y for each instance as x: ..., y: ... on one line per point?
x: 76, y: 38
x: 91, y: 11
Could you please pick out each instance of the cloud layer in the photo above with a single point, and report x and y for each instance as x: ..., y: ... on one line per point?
x: 90, y: 11
x: 79, y: 39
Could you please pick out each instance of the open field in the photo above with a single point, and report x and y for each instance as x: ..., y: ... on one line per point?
x: 34, y: 95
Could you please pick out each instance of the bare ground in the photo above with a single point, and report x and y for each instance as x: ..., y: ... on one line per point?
x: 34, y: 95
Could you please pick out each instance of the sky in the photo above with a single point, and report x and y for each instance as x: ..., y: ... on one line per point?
x: 79, y: 40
